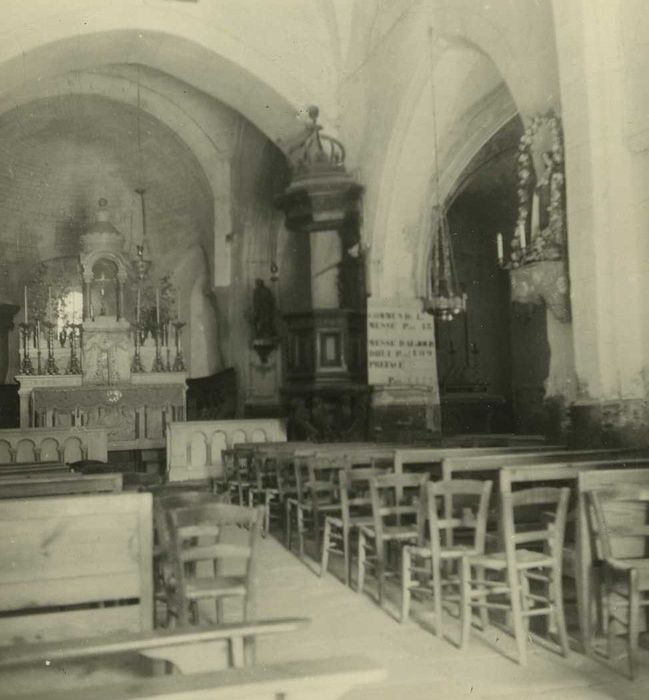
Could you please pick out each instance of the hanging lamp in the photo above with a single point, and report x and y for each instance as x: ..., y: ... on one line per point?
x: 445, y: 298
x: 142, y: 261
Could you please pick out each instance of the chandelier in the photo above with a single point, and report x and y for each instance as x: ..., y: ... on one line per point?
x: 445, y: 298
x: 142, y: 261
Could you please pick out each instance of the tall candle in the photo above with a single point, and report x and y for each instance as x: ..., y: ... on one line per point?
x: 26, y: 307
x: 499, y: 245
x: 137, y: 314
x: 157, y: 306
x: 49, y: 304
x: 178, y: 306
x: 521, y: 235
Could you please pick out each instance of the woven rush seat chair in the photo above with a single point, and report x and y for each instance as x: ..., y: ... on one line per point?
x: 395, y: 505
x: 619, y: 523
x: 531, y: 559
x: 214, y: 557
x: 452, y: 523
x: 356, y: 510
x: 316, y: 481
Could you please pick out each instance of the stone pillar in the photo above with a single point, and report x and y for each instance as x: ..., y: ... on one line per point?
x: 606, y: 222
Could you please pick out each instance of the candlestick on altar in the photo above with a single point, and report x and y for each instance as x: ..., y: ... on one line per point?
x: 26, y: 366
x: 50, y: 366
x: 136, y: 366
x: 179, y: 362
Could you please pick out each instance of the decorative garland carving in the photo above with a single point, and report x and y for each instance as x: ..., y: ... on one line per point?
x: 549, y: 242
x: 538, y: 261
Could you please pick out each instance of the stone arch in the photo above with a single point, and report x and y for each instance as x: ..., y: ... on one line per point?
x: 401, y: 230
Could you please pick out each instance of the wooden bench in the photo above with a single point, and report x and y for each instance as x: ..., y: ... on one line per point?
x: 52, y: 485
x: 61, y: 445
x: 323, y: 679
x: 191, y: 650
x: 75, y: 566
x: 194, y: 447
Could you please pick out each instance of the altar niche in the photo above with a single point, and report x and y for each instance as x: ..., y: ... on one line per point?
x: 114, y: 378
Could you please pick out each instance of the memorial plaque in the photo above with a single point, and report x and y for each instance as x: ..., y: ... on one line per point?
x: 400, y: 343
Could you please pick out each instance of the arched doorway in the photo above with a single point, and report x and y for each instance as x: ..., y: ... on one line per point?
x: 493, y: 359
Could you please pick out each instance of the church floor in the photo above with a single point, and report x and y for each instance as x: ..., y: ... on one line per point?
x: 419, y: 666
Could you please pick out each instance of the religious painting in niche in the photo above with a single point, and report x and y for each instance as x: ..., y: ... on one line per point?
x: 541, y: 224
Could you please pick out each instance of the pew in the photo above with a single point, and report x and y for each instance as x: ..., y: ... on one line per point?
x: 53, y: 445
x: 80, y: 566
x: 493, y: 440
x: 489, y: 466
x: 59, y: 485
x: 430, y: 458
x: 322, y: 679
x: 194, y: 447
x: 27, y: 470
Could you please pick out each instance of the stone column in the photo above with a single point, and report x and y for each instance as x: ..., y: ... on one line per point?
x: 7, y: 313
x: 606, y: 220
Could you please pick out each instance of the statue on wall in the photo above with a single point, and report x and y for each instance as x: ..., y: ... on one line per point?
x: 263, y: 311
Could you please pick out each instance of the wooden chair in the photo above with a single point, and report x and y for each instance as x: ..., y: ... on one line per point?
x: 263, y: 487
x: 316, y: 478
x: 452, y: 524
x: 618, y: 520
x: 190, y: 527
x: 284, y: 462
x: 356, y: 510
x: 395, y: 504
x: 163, y: 551
x: 243, y: 457
x: 537, y: 562
x: 228, y: 482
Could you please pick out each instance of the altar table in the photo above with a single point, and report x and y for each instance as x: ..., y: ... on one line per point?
x: 135, y: 415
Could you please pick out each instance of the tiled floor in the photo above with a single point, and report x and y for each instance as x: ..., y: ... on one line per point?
x: 419, y: 666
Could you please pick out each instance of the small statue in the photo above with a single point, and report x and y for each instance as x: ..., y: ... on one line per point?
x: 263, y: 311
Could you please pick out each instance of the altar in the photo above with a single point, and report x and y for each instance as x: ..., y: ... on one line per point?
x: 101, y: 345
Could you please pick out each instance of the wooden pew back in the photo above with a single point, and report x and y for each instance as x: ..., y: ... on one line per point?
x: 488, y: 466
x: 62, y: 445
x: 194, y: 447
x: 69, y: 556
x: 59, y: 485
